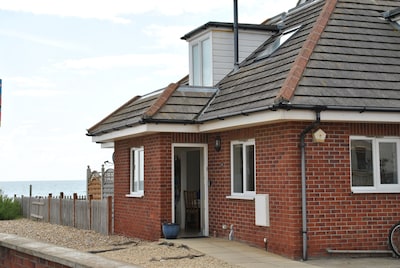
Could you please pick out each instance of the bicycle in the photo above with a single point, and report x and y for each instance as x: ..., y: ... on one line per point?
x: 394, y: 239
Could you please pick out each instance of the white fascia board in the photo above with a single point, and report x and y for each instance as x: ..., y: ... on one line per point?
x: 144, y: 129
x: 243, y: 121
x: 259, y: 118
x: 360, y: 117
x: 115, y: 135
x: 268, y: 117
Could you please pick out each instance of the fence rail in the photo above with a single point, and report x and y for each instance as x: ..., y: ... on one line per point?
x: 86, y: 214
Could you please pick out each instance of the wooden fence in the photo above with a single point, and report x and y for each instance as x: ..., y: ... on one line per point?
x: 86, y: 214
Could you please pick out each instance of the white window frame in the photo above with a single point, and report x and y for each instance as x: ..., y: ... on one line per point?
x: 377, y: 187
x: 199, y: 59
x: 136, y: 171
x: 246, y: 193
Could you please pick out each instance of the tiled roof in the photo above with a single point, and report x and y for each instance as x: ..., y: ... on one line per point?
x: 345, y: 55
x: 184, y: 104
x: 127, y: 115
x: 177, y: 103
x: 357, y: 60
x: 354, y: 64
x: 257, y: 83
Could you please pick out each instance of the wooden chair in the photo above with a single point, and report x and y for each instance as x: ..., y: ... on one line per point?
x: 192, y: 210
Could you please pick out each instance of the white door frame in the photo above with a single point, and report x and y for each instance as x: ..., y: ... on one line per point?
x: 203, y: 181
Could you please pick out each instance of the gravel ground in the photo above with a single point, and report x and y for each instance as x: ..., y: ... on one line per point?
x: 134, y: 251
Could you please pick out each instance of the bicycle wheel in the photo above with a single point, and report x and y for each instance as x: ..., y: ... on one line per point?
x: 394, y: 239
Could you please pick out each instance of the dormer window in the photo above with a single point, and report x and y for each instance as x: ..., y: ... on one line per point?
x: 279, y: 41
x: 201, y: 63
x: 211, y: 49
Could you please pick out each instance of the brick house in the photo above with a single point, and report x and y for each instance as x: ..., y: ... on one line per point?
x: 297, y: 146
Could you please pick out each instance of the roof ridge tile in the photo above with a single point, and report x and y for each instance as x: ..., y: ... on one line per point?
x: 290, y: 84
x: 162, y: 99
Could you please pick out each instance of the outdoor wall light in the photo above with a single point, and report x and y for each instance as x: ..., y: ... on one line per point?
x: 217, y: 144
x: 319, y: 136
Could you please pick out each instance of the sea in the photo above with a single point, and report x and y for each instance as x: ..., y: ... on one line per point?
x: 43, y: 188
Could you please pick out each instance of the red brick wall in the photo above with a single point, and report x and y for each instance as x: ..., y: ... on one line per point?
x: 277, y: 173
x: 142, y: 217
x: 337, y: 218
x: 10, y: 258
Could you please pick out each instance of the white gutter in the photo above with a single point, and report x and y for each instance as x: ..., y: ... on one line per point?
x: 259, y: 118
x: 268, y: 117
x: 253, y: 119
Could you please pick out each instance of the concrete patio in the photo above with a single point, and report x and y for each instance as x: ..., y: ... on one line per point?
x: 244, y: 255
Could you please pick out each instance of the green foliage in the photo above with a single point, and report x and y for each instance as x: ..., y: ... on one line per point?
x: 9, y: 209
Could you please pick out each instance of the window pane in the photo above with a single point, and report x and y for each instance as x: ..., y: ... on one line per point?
x: 250, y: 168
x: 388, y: 162
x: 237, y: 168
x: 132, y: 170
x: 140, y: 167
x: 196, y: 65
x: 361, y: 163
x: 206, y: 61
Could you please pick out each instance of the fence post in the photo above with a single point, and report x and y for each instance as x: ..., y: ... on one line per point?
x: 88, y: 175
x: 61, y: 198
x: 23, y: 205
x: 109, y: 213
x: 30, y: 200
x: 49, y: 207
x: 102, y: 181
x: 74, y: 202
x: 90, y: 211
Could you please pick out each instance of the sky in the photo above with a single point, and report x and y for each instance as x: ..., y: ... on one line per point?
x: 65, y: 65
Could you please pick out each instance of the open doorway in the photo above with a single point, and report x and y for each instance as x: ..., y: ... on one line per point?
x: 190, y: 207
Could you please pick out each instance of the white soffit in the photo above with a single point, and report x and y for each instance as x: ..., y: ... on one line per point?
x: 144, y: 129
x: 106, y: 145
x: 242, y: 121
x: 266, y: 117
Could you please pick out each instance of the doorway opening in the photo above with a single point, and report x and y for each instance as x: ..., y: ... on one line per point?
x: 190, y: 189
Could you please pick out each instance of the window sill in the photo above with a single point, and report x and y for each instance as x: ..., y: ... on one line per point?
x: 241, y: 197
x: 375, y: 191
x: 135, y: 195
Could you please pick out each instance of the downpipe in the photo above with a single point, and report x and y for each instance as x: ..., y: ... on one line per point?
x: 303, y: 180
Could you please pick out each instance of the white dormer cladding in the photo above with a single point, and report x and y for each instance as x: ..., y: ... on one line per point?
x: 211, y: 50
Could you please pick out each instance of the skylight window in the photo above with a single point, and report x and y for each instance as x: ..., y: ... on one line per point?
x: 397, y: 20
x: 279, y: 41
x: 393, y: 16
